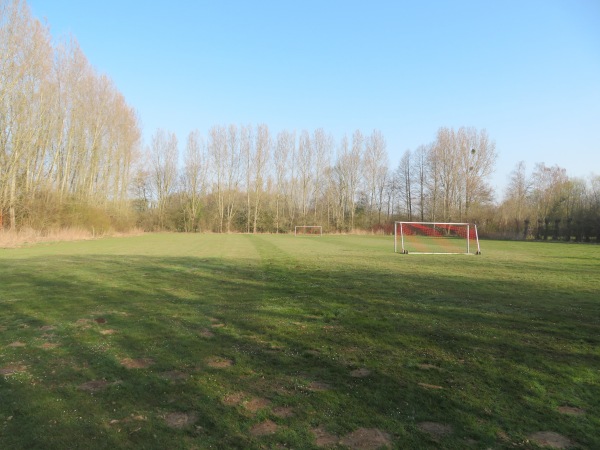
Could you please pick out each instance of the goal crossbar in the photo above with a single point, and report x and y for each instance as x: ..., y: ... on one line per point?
x: 436, y: 238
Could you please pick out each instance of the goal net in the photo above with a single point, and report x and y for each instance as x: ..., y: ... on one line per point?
x: 436, y: 238
x: 308, y: 230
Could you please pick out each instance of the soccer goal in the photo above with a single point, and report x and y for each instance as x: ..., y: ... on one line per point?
x: 308, y: 230
x: 436, y: 238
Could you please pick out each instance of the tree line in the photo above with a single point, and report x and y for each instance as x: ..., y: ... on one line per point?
x: 548, y: 204
x: 248, y: 179
x: 71, y: 155
x: 67, y: 136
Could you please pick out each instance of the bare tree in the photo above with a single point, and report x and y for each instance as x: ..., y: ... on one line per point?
x: 420, y: 170
x: 477, y: 156
x: 261, y: 159
x: 217, y: 148
x: 305, y: 166
x: 194, y: 176
x: 376, y: 169
x: 282, y: 158
x: 322, y: 148
x: 164, y: 169
x: 233, y: 160
x: 405, y: 182
x: 548, y: 184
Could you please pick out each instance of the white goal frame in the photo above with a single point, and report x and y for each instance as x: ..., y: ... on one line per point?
x: 319, y: 227
x: 471, y: 235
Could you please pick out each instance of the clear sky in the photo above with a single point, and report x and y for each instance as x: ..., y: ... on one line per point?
x: 528, y: 71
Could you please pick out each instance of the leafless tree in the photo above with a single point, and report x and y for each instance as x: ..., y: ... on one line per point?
x: 261, y: 159
x: 194, y: 176
x: 282, y: 158
x: 305, y: 166
x: 376, y: 169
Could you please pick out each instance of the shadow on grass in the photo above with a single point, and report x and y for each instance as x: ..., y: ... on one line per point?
x: 437, y: 348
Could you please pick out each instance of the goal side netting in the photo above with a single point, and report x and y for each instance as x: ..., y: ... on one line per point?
x: 308, y: 230
x: 436, y: 238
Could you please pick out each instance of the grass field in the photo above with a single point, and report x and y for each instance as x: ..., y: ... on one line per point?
x: 173, y: 341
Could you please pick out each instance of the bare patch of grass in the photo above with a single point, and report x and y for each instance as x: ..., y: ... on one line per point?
x: 323, y: 438
x: 206, y: 333
x: 93, y: 386
x: 571, y: 410
x: 217, y: 362
x: 108, y: 332
x: 435, y: 430
x: 12, y: 369
x: 367, y: 439
x: 264, y: 428
x: 141, y: 363
x: 360, y: 373
x: 180, y: 420
x: 318, y: 386
x: 551, y: 439
x: 283, y: 412
x: 233, y: 399
x: 174, y: 375
x: 256, y: 404
x: 49, y: 345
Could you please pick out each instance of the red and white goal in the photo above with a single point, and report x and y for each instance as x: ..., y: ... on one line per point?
x: 436, y: 238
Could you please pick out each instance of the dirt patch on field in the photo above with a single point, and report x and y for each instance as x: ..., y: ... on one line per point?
x: 429, y: 367
x: 318, y: 386
x: 430, y: 386
x: 256, y: 404
x: 93, y: 386
x: 141, y: 363
x: 217, y: 362
x: 283, y: 412
x: 550, y: 439
x: 206, y: 333
x: 84, y: 324
x: 324, y: 438
x: 49, y: 345
x: 264, y: 428
x: 360, y: 373
x: 47, y: 328
x: 100, y: 320
x: 435, y: 430
x: 233, y: 399
x: 12, y: 369
x: 217, y: 325
x: 179, y: 419
x: 174, y: 375
x: 108, y: 332
x: 367, y: 439
x: 571, y: 410
x: 17, y: 344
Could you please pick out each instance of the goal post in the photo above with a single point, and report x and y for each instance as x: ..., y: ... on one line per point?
x: 308, y: 230
x: 436, y: 238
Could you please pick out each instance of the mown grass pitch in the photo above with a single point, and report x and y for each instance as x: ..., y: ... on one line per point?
x: 241, y: 341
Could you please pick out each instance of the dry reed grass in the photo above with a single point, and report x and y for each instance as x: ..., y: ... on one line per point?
x: 29, y: 236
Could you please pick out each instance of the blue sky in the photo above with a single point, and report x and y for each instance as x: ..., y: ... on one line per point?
x: 527, y: 71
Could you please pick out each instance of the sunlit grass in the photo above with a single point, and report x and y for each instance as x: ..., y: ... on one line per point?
x: 337, y: 331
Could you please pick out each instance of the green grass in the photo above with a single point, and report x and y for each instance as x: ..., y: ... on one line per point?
x: 509, y: 337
